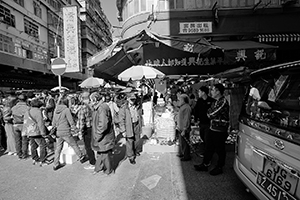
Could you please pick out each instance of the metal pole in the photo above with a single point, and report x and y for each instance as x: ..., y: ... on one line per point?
x: 58, y: 56
x: 59, y: 84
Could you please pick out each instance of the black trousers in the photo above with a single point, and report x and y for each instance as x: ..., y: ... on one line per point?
x: 130, y: 147
x: 36, y: 142
x: 215, y: 144
x: 204, y: 131
x: 22, y: 142
x: 87, y: 139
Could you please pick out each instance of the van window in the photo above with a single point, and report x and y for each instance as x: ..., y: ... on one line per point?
x: 273, y: 104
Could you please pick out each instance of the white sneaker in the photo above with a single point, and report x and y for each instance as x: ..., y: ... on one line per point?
x: 89, y: 167
x: 10, y: 153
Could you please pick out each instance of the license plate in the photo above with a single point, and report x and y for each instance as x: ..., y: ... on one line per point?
x: 272, y: 189
x: 280, y: 176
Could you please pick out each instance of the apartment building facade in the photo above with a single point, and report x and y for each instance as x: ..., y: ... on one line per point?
x: 225, y: 23
x: 30, y: 31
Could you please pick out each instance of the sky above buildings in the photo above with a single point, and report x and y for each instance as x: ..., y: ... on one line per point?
x: 110, y: 10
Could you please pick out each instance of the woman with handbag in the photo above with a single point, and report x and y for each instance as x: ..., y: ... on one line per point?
x: 34, y: 129
x: 64, y: 123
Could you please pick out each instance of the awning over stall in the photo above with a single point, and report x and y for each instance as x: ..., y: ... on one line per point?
x: 178, y: 56
x: 161, y: 52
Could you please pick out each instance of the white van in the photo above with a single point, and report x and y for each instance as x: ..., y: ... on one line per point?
x: 268, y: 142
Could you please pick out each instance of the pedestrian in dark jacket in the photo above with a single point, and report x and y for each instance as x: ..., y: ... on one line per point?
x: 103, y: 136
x: 34, y: 128
x: 64, y: 122
x: 219, y: 123
x: 203, y: 104
x: 18, y: 112
x: 126, y: 127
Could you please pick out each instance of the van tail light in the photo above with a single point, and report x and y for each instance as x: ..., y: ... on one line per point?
x: 237, y: 141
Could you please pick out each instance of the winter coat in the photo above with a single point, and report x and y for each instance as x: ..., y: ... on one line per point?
x: 184, y: 117
x: 125, y: 121
x: 103, y: 136
x: 218, y: 114
x: 36, y: 115
x: 18, y: 112
x: 63, y: 120
x: 50, y: 107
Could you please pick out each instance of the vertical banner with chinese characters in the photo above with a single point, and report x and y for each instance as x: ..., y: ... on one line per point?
x: 71, y: 38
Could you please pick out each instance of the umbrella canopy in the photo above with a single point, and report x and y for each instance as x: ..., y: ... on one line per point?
x: 139, y: 72
x: 57, y: 88
x: 92, y: 82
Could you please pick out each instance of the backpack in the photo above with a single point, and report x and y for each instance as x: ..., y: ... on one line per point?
x: 30, y: 127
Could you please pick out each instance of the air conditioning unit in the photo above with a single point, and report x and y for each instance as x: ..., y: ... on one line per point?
x: 288, y: 2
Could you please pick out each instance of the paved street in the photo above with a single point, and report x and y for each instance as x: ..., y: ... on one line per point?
x: 157, y: 175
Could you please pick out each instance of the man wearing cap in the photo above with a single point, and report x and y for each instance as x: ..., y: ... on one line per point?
x: 18, y: 112
x: 85, y: 127
x: 103, y: 135
x: 126, y: 118
x: 136, y: 123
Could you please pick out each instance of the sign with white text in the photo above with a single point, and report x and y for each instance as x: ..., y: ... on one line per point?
x: 195, y: 27
x: 71, y: 40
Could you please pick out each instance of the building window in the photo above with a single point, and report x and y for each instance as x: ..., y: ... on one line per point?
x: 150, y: 5
x: 6, y: 17
x: 20, y: 2
x: 130, y: 8
x: 6, y: 44
x: 37, y: 9
x: 163, y: 4
x: 172, y: 4
x: 31, y: 29
x: 143, y: 5
x: 179, y: 4
x: 136, y: 6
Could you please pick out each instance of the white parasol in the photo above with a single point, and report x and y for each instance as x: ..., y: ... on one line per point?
x: 57, y: 88
x: 139, y: 72
x: 92, y: 82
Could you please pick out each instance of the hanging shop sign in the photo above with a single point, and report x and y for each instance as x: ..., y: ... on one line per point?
x: 195, y: 27
x: 71, y: 39
x: 190, y: 61
x: 230, y: 57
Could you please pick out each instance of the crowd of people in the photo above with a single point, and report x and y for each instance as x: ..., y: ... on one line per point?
x: 104, y: 120
x: 210, y: 112
x: 46, y: 121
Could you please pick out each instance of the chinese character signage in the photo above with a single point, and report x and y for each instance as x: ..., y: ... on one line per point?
x: 182, y: 62
x: 71, y: 40
x: 195, y: 27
